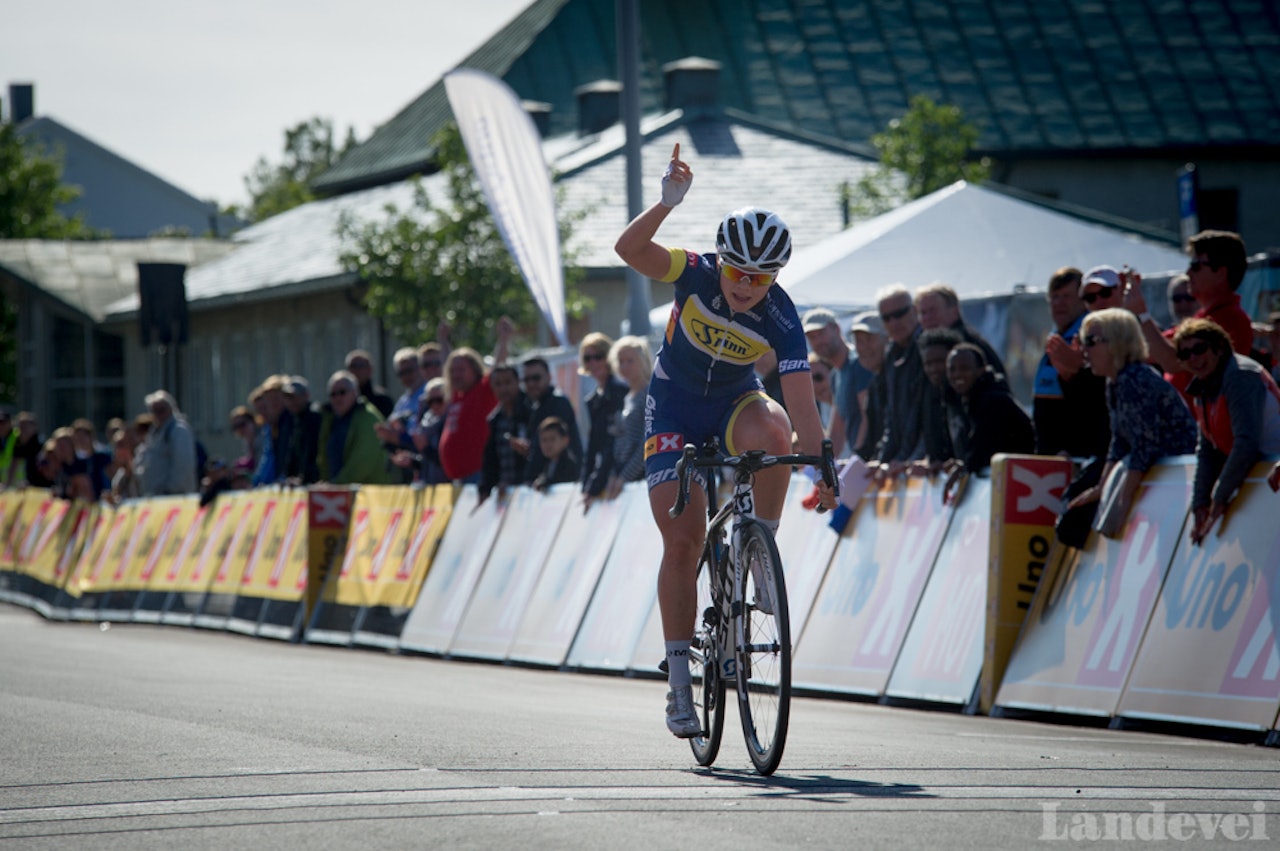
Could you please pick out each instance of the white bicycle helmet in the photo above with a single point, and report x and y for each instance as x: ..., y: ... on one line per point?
x: 755, y: 240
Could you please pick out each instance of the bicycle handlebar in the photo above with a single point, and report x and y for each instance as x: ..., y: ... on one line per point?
x: 753, y: 460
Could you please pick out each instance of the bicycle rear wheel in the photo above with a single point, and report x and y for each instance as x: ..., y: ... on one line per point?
x: 708, y: 685
x: 762, y: 637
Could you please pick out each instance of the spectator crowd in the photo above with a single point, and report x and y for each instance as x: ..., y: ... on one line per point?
x: 909, y: 388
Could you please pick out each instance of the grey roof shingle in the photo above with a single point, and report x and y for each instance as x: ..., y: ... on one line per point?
x: 798, y: 177
x: 1035, y: 76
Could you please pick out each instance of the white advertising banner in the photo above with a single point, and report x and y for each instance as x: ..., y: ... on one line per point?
x: 506, y: 153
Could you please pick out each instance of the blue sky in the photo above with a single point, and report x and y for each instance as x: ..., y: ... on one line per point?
x: 196, y: 93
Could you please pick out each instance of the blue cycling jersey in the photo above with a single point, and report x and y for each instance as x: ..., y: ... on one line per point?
x: 710, y: 350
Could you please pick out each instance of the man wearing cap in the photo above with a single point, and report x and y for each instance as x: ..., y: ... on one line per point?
x: 871, y: 343
x: 301, y: 465
x: 849, y: 379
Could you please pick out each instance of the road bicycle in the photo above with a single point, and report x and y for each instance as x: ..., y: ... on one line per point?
x: 744, y: 638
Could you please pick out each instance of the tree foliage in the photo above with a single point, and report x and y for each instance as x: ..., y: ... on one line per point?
x: 926, y: 149
x: 432, y: 264
x: 31, y: 190
x: 309, y: 151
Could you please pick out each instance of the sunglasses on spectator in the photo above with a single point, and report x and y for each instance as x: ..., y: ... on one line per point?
x: 818, y: 377
x: 1194, y: 350
x: 435, y: 400
x: 1092, y: 340
x: 408, y: 370
x: 338, y: 391
x: 239, y: 424
x: 533, y: 378
x: 756, y: 279
x: 1197, y: 264
x: 891, y: 315
x: 431, y: 364
x: 1100, y: 292
x: 1183, y: 298
x: 592, y: 356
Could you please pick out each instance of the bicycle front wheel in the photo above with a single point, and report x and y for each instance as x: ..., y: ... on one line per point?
x: 762, y: 637
x: 704, y: 655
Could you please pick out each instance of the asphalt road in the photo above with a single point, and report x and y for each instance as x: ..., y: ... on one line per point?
x: 158, y: 737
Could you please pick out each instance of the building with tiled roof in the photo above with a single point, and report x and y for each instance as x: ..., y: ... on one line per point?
x: 1092, y: 103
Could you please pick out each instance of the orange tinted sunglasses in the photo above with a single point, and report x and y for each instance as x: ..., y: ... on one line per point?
x: 755, y: 279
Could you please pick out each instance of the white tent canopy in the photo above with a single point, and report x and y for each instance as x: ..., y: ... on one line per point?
x: 978, y: 241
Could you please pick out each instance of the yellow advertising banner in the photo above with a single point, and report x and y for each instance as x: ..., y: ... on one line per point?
x: 160, y: 539
x: 11, y: 503
x: 110, y: 565
x: 75, y: 561
x: 380, y: 533
x: 193, y: 566
x: 1084, y: 628
x: 1211, y: 653
x: 38, y: 551
x: 434, y: 506
x: 1026, y: 498
x: 90, y: 569
x: 235, y: 545
x: 277, y: 569
x: 153, y: 523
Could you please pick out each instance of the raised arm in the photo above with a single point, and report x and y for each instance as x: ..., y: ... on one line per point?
x: 636, y: 245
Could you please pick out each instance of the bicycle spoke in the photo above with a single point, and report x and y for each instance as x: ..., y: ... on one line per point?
x: 763, y: 640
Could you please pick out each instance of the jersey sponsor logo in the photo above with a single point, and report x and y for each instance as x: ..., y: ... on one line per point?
x: 720, y: 341
x: 690, y: 259
x: 666, y: 442
x: 776, y: 313
x: 792, y: 365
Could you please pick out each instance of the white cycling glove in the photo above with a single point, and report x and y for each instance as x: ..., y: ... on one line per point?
x: 673, y: 191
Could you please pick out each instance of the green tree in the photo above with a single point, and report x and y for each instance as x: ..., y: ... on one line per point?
x: 31, y: 190
x: 309, y: 150
x: 928, y: 148
x: 430, y: 265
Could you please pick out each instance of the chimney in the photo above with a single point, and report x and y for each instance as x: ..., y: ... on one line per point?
x: 599, y: 106
x: 540, y: 112
x: 22, y: 102
x: 692, y: 83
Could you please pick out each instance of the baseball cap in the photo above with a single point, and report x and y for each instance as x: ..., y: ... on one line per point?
x: 296, y: 386
x: 817, y: 319
x: 1103, y: 276
x: 870, y: 322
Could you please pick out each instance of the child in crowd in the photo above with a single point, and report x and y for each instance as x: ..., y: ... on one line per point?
x: 562, y: 464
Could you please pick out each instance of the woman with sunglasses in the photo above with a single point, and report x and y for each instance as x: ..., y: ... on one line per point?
x: 603, y: 407
x: 726, y: 315
x: 1149, y: 419
x: 1237, y: 405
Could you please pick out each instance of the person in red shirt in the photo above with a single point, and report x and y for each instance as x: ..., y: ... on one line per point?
x: 466, y: 426
x: 1217, y: 267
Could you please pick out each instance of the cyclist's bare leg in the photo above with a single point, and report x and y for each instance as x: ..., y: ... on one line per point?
x: 681, y: 546
x: 763, y: 424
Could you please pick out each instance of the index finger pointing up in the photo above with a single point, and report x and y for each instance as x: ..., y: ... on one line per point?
x: 675, y: 152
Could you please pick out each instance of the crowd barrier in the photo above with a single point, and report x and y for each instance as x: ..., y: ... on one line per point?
x: 963, y: 602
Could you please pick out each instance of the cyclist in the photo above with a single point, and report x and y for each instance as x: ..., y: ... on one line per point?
x: 727, y: 314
